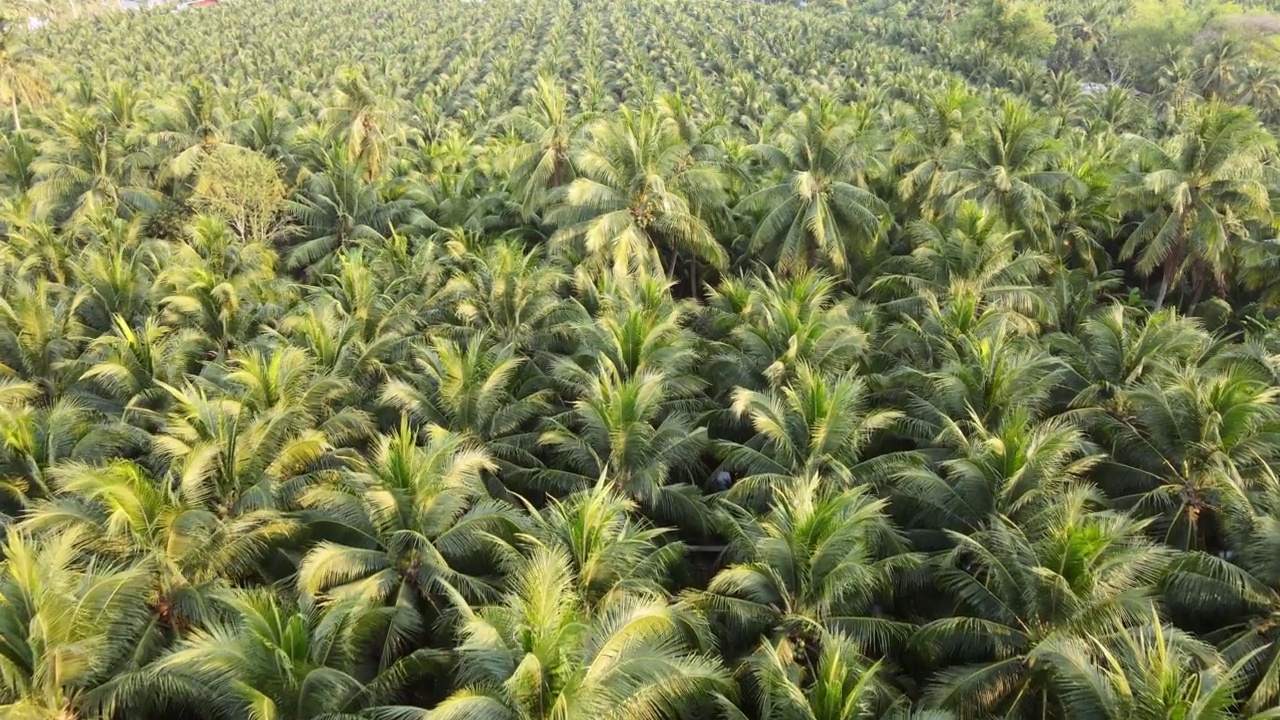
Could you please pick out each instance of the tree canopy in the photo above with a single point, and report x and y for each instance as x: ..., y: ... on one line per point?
x: 662, y: 360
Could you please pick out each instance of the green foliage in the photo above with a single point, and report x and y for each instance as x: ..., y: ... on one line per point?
x: 559, y: 359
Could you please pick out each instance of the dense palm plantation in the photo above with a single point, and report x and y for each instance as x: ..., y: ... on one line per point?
x: 558, y: 359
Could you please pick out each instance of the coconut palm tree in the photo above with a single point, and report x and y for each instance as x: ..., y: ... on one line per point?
x: 337, y: 209
x: 271, y: 660
x: 640, y: 329
x: 541, y: 653
x: 1194, y: 450
x: 35, y: 250
x: 21, y: 80
x: 636, y: 199
x: 987, y: 372
x: 1009, y: 170
x: 816, y: 425
x: 611, y: 552
x: 924, y: 147
x: 775, y: 325
x: 270, y: 130
x: 414, y: 536
x: 1072, y: 572
x: 364, y: 119
x: 622, y: 428
x: 1234, y: 592
x: 1012, y: 471
x: 820, y: 210
x: 68, y: 627
x: 515, y: 295
x: 189, y: 127
x: 477, y: 390
x: 840, y: 685
x: 18, y: 153
x: 553, y: 137
x: 968, y: 255
x: 1192, y: 195
x: 1128, y: 674
x: 116, y: 273
x: 130, y: 366
x: 820, y: 560
x: 1117, y: 350
x: 35, y: 437
x: 244, y: 446
x: 123, y: 515
x: 1222, y: 60
x: 90, y: 166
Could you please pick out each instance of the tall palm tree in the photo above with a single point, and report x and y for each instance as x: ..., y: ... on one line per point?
x: 1195, y: 450
x: 35, y: 438
x: 516, y: 296
x: 820, y: 210
x: 18, y: 154
x: 816, y: 425
x: 188, y: 127
x: 90, y: 166
x: 553, y: 137
x: 1012, y: 471
x: 365, y: 120
x: 622, y: 428
x: 636, y: 198
x: 985, y: 374
x: 839, y: 685
x: 22, y: 81
x: 242, y: 447
x: 414, y: 535
x: 477, y: 390
x: 1085, y: 212
x: 270, y: 660
x: 1223, y: 58
x: 540, y: 653
x: 67, y: 627
x: 130, y: 366
x: 268, y: 129
x: 969, y: 255
x: 39, y: 334
x: 821, y: 560
x: 1258, y: 87
x: 35, y: 250
x: 337, y: 208
x: 1192, y: 195
x: 639, y: 328
x: 117, y: 274
x: 775, y: 325
x: 1115, y: 351
x: 1009, y: 169
x: 1073, y: 572
x: 123, y: 515
x: 611, y: 552
x: 1233, y: 597
x: 1130, y: 674
x: 924, y: 147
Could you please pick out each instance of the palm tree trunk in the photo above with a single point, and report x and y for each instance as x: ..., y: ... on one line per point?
x: 1164, y: 289
x: 1166, y: 278
x: 13, y: 106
